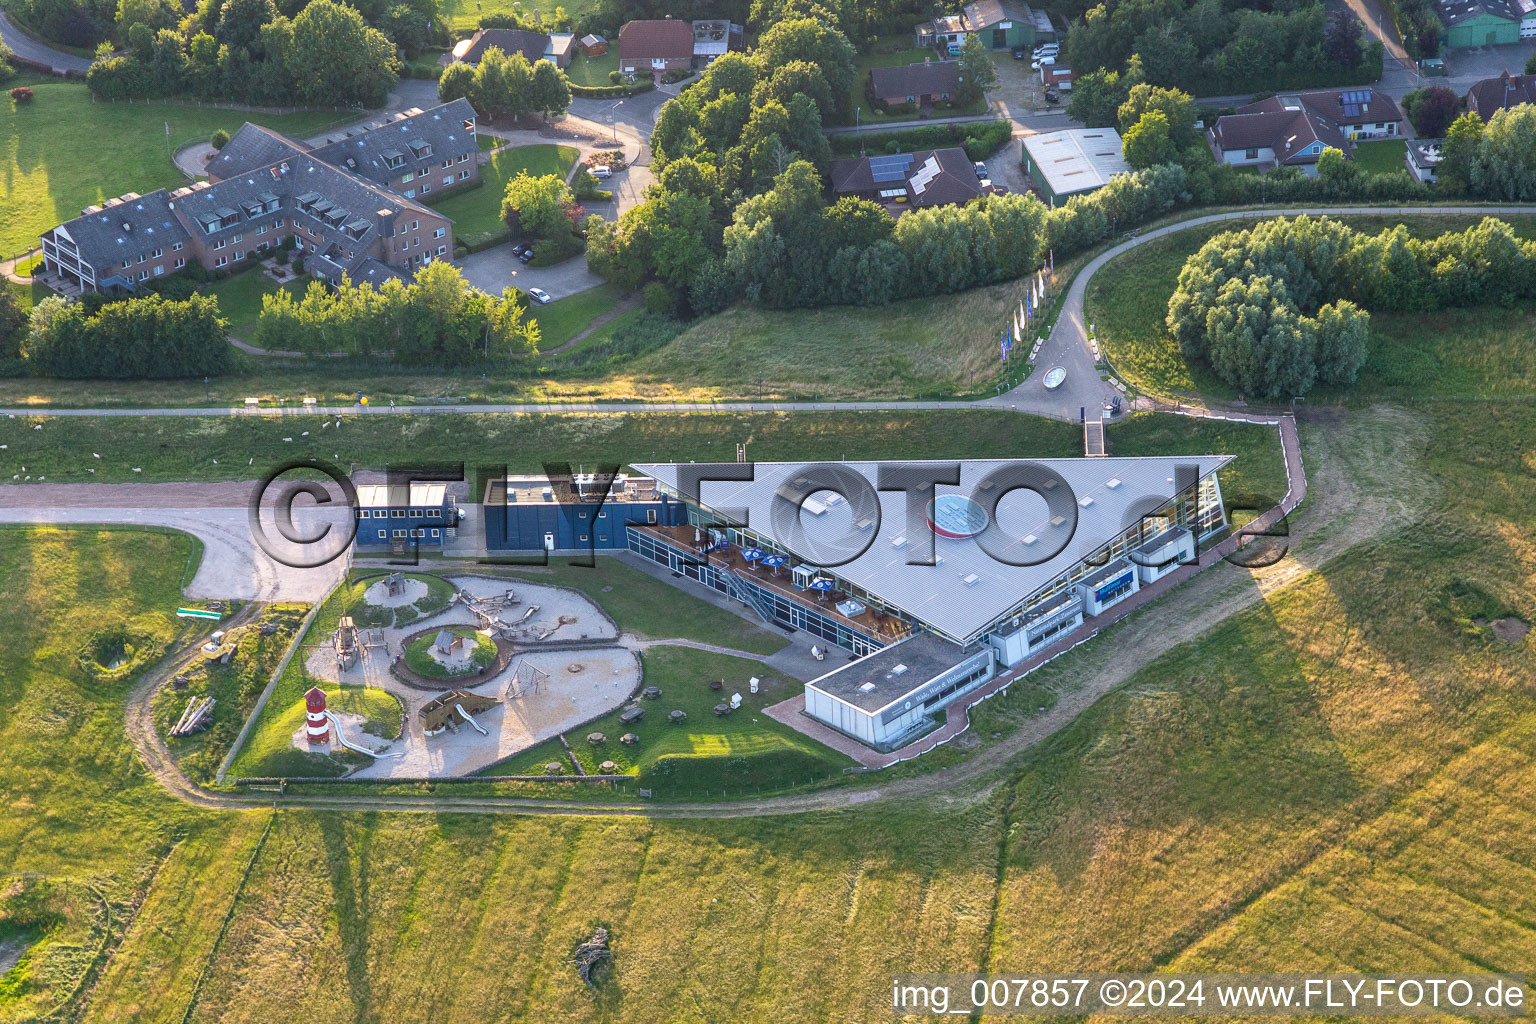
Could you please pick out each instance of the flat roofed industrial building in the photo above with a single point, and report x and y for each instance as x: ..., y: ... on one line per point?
x: 943, y: 628
x: 1073, y: 161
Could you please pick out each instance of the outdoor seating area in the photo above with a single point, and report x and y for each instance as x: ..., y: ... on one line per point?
x: 799, y: 583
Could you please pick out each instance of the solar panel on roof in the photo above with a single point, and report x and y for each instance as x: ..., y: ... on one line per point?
x: 892, y: 167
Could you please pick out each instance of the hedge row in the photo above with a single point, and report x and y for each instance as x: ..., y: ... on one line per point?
x: 597, y: 92
x: 979, y: 138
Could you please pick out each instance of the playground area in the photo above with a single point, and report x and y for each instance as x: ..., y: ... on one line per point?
x: 562, y: 666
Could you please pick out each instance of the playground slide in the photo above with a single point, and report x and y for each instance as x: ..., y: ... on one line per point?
x: 353, y: 746
x: 460, y: 709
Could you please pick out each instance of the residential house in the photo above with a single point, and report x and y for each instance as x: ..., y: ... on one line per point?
x: 1001, y: 25
x: 1486, y: 22
x: 921, y: 85
x: 1073, y: 161
x: 935, y: 177
x: 1293, y: 131
x: 664, y: 44
x: 1492, y: 95
x: 558, y: 48
x: 351, y: 206
x: 1422, y: 157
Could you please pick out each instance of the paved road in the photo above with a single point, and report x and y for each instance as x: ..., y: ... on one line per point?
x: 233, y: 564
x: 25, y: 46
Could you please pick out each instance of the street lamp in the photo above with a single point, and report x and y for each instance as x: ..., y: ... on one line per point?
x: 613, y: 120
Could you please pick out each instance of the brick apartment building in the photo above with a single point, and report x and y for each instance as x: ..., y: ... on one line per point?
x: 354, y: 206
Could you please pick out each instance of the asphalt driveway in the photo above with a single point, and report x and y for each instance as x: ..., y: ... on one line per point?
x: 496, y: 269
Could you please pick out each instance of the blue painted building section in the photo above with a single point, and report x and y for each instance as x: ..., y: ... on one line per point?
x: 401, y: 515
x: 532, y: 514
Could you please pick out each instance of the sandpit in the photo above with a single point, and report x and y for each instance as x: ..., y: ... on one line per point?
x: 379, y: 596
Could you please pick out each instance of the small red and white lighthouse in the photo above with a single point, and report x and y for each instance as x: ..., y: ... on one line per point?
x: 316, y: 726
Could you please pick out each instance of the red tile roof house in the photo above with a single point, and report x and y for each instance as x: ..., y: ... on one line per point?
x: 921, y: 85
x: 1293, y: 131
x: 662, y: 45
x: 1492, y: 95
x: 557, y: 48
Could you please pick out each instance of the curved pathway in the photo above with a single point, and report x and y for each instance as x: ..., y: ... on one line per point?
x: 1067, y: 346
x: 27, y: 48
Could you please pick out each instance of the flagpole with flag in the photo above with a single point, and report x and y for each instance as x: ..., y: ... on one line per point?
x: 168, y: 138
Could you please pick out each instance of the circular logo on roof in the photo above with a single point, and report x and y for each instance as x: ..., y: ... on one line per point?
x: 956, y: 517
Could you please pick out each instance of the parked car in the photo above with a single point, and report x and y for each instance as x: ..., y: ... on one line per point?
x: 1047, y: 50
x: 1000, y: 190
x: 1018, y: 53
x: 539, y: 295
x: 1042, y: 62
x: 602, y: 171
x: 519, y: 248
x: 526, y: 255
x: 986, y: 184
x: 981, y: 169
x: 1051, y: 95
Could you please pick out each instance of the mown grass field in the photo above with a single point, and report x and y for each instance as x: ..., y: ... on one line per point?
x: 1462, y: 353
x: 476, y: 213
x: 240, y: 297
x: 944, y: 347
x: 62, y: 152
x: 708, y: 755
x: 174, y: 448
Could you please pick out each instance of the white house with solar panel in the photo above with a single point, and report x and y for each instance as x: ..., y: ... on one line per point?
x: 1012, y: 571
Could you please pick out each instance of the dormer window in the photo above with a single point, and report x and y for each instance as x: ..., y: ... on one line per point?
x: 421, y: 148
x: 393, y: 158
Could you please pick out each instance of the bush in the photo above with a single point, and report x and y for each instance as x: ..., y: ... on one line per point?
x: 21, y: 94
x: 657, y: 298
x: 298, y: 264
x: 606, y: 91
x: 219, y: 139
x: 616, y: 77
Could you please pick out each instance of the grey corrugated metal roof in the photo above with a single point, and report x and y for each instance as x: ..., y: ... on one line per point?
x: 938, y: 594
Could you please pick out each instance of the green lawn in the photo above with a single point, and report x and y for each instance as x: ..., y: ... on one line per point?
x: 1381, y: 157
x: 563, y: 319
x: 593, y: 71
x: 240, y: 296
x: 654, y: 610
x: 707, y: 755
x: 1460, y: 352
x: 177, y: 448
x: 476, y: 213
x: 61, y: 152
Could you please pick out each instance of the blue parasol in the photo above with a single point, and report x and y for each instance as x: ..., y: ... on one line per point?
x: 753, y: 554
x: 775, y: 561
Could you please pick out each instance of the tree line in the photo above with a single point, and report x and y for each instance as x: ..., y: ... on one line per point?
x: 245, y: 50
x: 1283, y: 305
x: 148, y: 338
x: 502, y: 85
x: 436, y: 319
x: 1209, y: 48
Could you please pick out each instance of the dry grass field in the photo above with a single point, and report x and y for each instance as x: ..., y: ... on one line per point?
x: 1340, y: 776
